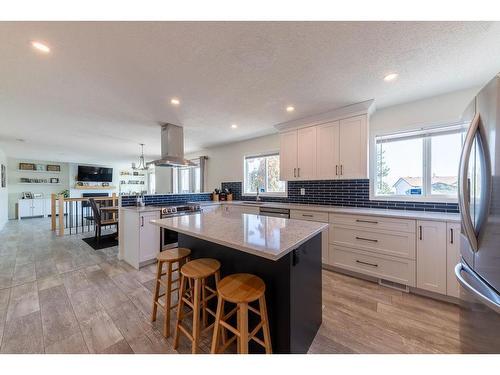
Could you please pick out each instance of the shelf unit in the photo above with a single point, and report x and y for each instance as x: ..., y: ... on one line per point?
x: 39, y: 183
x: 34, y: 171
x: 96, y: 187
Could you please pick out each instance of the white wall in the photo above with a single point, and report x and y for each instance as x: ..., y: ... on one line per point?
x: 4, y: 197
x: 225, y: 162
x: 437, y: 110
x: 16, y: 188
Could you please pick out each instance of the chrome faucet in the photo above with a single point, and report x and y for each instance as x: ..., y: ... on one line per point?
x: 257, y: 198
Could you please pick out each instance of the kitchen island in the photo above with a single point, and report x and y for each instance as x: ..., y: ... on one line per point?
x: 285, y: 253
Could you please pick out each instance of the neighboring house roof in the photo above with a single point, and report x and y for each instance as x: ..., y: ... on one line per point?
x: 417, y: 181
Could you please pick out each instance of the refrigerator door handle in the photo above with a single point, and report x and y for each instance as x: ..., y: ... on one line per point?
x: 483, y: 292
x: 463, y: 189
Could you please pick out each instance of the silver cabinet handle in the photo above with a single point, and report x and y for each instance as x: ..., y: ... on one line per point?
x: 420, y: 233
x: 482, y: 291
x: 451, y: 236
x: 366, y: 239
x: 298, y: 172
x: 366, y: 221
x: 341, y: 169
x: 307, y: 215
x: 336, y: 170
x: 463, y: 188
x: 366, y: 263
x: 142, y: 221
x: 294, y: 172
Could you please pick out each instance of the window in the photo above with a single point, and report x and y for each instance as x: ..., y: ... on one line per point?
x: 262, y: 172
x: 419, y: 165
x: 187, y: 180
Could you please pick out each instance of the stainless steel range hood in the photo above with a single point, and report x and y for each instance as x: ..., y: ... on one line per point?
x: 172, y: 148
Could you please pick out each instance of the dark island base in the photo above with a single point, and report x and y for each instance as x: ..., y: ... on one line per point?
x: 293, y: 288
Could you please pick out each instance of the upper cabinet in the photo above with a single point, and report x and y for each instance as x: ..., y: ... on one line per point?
x: 288, y: 155
x: 333, y: 150
x: 353, y: 148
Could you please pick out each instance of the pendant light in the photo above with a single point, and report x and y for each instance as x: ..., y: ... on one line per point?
x: 142, y: 164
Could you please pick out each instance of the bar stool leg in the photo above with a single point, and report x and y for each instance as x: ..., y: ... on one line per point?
x: 217, y: 326
x: 167, y: 302
x: 204, y: 303
x: 243, y: 327
x: 265, y: 324
x: 159, y: 267
x: 196, y: 316
x: 180, y: 307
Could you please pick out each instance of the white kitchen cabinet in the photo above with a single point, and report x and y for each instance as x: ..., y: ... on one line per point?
x: 334, y: 150
x: 149, y: 237
x: 452, y: 259
x: 306, y: 153
x: 139, y: 239
x: 320, y: 217
x: 353, y: 149
x: 327, y: 150
x: 288, y: 155
x: 30, y: 208
x: 431, y: 256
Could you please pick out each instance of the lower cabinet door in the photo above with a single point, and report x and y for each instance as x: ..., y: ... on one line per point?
x: 149, y: 237
x: 38, y: 207
x: 431, y: 256
x: 24, y: 208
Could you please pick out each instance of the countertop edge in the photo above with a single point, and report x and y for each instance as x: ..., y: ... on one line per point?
x: 382, y: 212
x: 248, y: 250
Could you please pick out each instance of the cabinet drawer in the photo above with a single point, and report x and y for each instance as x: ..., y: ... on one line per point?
x: 309, y: 215
x: 389, y: 268
x: 398, y: 244
x: 374, y: 222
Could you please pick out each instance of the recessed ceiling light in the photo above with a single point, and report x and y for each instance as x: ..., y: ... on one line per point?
x: 175, y: 101
x: 40, y: 46
x: 290, y: 108
x: 390, y: 77
x: 20, y: 140
x: 234, y: 126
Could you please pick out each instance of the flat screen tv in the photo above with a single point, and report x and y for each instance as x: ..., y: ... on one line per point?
x: 95, y: 174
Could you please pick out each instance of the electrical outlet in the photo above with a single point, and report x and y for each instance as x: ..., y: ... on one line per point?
x: 302, y: 191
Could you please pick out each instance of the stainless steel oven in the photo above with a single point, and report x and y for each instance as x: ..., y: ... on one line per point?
x: 169, y: 238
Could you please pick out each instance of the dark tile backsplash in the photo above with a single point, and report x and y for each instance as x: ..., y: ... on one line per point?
x: 345, y: 193
x: 167, y: 199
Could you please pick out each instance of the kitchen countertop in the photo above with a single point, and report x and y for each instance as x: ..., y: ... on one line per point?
x: 266, y: 237
x: 141, y: 209
x: 382, y: 212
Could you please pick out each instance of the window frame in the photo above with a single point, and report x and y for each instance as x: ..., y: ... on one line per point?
x: 265, y: 194
x: 427, y: 196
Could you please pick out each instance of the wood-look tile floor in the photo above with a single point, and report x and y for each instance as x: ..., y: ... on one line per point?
x: 58, y: 295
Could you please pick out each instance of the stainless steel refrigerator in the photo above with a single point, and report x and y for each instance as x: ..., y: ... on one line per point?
x: 479, y: 201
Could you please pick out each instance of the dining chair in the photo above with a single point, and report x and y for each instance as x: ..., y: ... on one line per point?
x: 99, y: 221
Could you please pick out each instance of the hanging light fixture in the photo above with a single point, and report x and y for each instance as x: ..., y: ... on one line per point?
x: 142, y: 164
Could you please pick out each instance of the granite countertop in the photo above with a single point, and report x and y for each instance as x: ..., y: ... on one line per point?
x: 266, y: 237
x: 402, y: 214
x: 141, y: 209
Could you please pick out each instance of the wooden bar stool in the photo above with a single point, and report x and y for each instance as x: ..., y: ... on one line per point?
x: 241, y: 289
x: 169, y: 257
x: 195, y: 295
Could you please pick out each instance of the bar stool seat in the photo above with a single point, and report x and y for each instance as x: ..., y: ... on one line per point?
x: 196, y: 297
x: 173, y: 255
x: 241, y: 289
x: 169, y: 257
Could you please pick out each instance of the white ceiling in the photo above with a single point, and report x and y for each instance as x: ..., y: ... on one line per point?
x: 105, y: 86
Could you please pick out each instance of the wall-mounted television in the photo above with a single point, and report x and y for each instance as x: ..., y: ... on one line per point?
x: 95, y: 174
